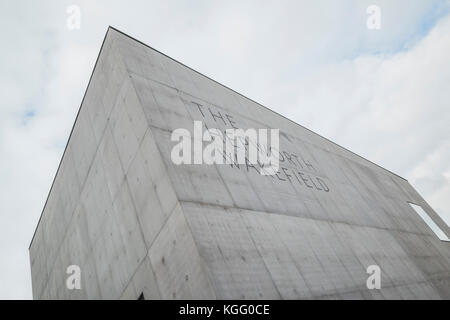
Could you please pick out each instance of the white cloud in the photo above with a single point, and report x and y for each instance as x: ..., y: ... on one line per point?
x: 393, y: 109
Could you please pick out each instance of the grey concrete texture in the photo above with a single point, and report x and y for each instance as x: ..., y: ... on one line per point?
x: 137, y: 223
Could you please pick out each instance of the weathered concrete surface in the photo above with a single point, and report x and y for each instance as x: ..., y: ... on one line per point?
x: 136, y: 223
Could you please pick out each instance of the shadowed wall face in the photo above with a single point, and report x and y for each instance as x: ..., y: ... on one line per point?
x: 137, y: 223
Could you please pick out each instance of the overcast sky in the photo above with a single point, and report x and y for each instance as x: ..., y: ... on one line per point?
x: 384, y: 94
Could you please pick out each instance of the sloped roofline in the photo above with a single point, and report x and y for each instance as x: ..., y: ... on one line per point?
x: 123, y: 33
x: 259, y: 104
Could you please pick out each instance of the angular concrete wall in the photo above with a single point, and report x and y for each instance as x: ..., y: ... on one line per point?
x: 136, y: 223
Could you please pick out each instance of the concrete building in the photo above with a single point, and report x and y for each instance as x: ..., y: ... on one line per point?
x: 137, y: 224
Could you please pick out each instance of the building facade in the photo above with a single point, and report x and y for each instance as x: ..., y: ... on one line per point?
x: 138, y: 225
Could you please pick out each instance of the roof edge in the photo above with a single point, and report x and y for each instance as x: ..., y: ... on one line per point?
x: 336, y: 144
x: 71, y: 131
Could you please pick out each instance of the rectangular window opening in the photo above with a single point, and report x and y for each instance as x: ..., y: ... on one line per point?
x: 433, y: 226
